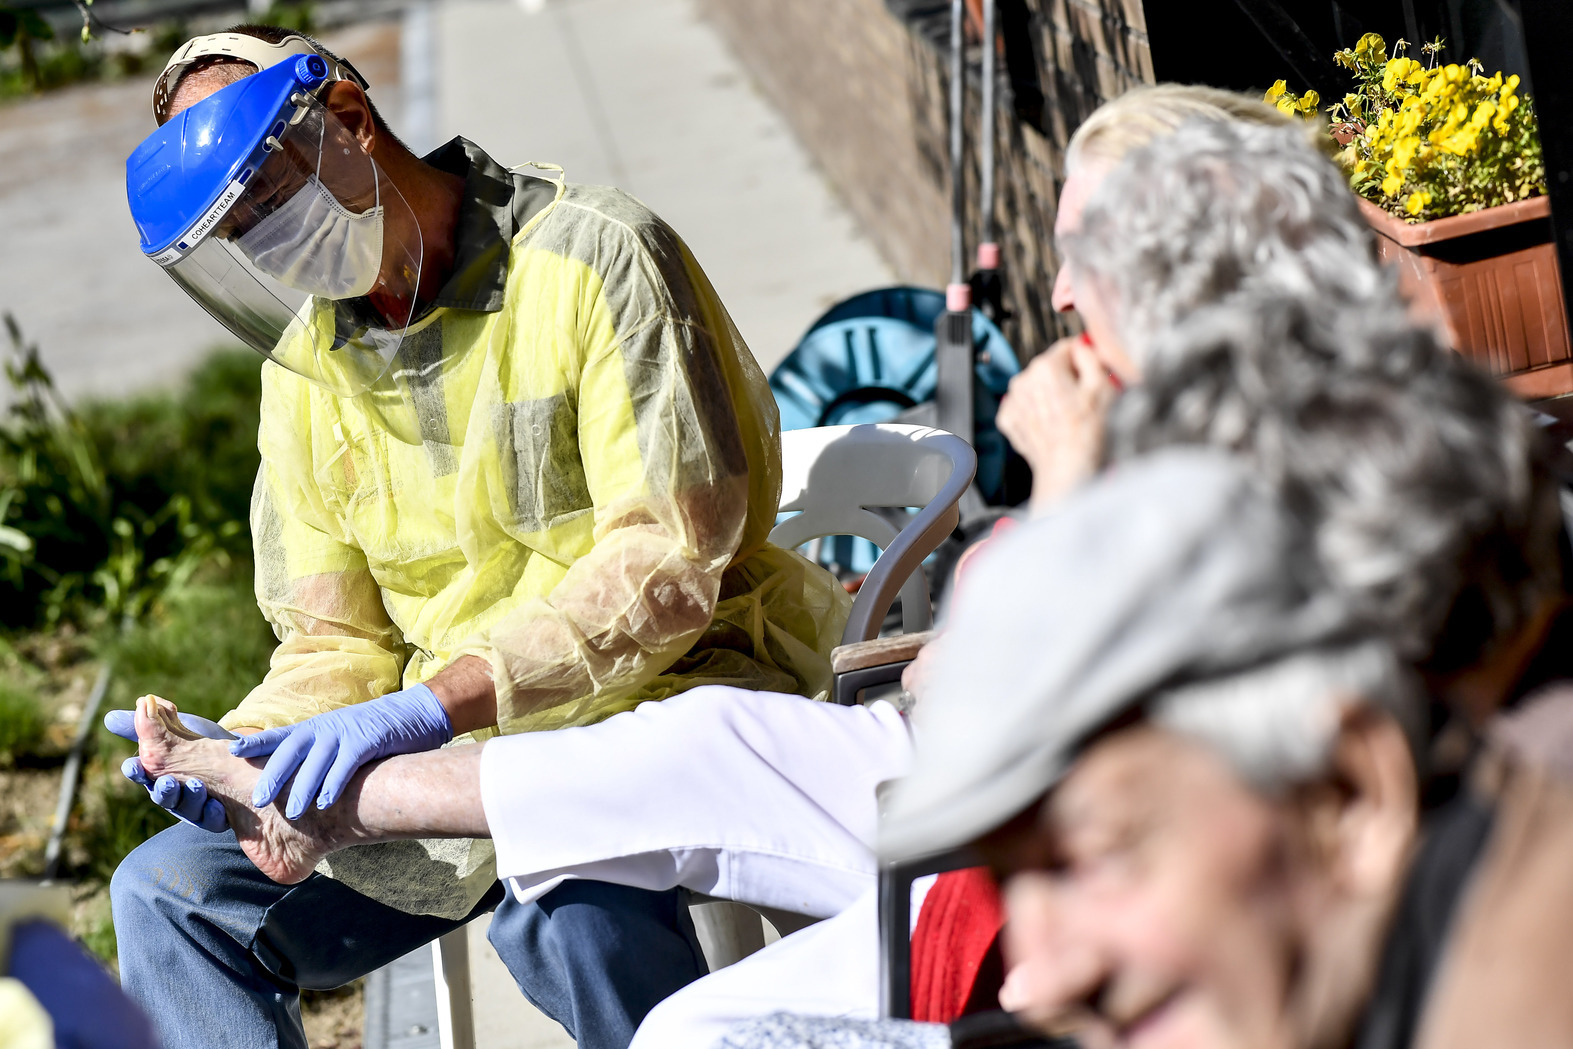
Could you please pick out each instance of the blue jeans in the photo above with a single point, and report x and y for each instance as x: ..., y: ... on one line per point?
x: 217, y: 953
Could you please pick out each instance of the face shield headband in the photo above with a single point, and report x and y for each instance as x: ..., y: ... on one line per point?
x: 268, y: 212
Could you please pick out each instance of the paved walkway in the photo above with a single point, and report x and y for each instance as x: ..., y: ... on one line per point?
x: 643, y: 95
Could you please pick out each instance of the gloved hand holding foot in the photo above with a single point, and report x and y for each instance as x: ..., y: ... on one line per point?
x: 323, y: 752
x: 186, y: 801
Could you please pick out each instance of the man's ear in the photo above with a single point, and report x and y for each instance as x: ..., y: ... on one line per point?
x: 347, y: 102
x: 1375, y: 827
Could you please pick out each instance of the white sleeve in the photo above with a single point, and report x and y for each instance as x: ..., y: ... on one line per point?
x: 759, y: 797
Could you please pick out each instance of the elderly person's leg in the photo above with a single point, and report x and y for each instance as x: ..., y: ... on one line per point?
x: 434, y: 794
x: 216, y: 952
x: 759, y: 797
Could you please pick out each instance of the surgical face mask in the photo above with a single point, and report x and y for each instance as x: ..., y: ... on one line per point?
x: 316, y: 245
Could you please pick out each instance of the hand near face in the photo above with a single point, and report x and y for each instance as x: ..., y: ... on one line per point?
x: 1054, y: 414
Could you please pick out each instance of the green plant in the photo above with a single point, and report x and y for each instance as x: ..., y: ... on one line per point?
x: 95, y: 928
x: 22, y: 722
x: 205, y: 647
x: 20, y: 27
x: 103, y: 511
x: 116, y: 817
x: 45, y: 60
x: 1426, y: 141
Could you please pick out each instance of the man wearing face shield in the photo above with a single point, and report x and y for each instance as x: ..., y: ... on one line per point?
x: 518, y: 473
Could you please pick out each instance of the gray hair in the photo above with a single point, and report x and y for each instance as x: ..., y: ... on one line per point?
x: 1149, y: 111
x: 1427, y: 486
x: 1276, y: 724
x: 1217, y: 207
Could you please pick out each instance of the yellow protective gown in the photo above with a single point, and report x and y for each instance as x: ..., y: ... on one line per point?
x: 571, y: 472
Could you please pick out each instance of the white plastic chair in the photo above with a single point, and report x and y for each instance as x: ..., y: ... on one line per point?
x: 835, y: 476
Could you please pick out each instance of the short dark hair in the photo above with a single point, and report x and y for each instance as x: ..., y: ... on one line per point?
x: 271, y: 34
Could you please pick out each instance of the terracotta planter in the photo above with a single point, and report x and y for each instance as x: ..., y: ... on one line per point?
x: 1491, y: 277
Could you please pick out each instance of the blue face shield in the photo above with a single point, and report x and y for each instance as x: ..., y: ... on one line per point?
x: 270, y: 214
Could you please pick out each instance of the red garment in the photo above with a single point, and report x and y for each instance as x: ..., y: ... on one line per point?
x: 960, y: 919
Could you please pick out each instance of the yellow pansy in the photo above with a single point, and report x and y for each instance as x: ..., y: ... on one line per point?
x: 1392, y: 184
x: 1276, y: 91
x: 1372, y: 48
x: 1463, y: 143
x: 1401, y: 72
x: 1308, y: 103
x: 1417, y: 202
x: 1355, y: 104
x: 1404, y: 150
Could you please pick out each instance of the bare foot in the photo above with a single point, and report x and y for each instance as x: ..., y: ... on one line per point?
x: 286, y: 852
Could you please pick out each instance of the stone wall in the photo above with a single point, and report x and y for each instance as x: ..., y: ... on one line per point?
x: 864, y: 85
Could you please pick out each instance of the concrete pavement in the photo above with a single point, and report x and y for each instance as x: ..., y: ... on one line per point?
x: 642, y: 94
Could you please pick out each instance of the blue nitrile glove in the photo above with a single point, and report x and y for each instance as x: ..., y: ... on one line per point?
x: 189, y: 800
x: 323, y: 752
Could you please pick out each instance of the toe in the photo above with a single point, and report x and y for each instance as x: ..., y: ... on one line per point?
x: 154, y: 740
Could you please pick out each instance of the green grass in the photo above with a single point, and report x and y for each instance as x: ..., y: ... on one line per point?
x: 106, y: 507
x: 22, y: 722
x: 204, y: 647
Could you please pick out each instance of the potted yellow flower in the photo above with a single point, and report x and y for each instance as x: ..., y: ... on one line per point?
x: 1448, y: 166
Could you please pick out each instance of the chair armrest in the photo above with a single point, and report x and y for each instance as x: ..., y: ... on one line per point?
x: 860, y: 655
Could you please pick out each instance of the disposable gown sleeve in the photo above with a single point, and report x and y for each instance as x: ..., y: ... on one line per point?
x: 337, y: 645
x: 667, y: 475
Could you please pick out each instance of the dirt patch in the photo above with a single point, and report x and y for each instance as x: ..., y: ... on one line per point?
x: 334, y: 1019
x: 27, y: 807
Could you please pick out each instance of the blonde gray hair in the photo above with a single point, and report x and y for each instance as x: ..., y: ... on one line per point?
x: 1218, y: 207
x: 1151, y: 111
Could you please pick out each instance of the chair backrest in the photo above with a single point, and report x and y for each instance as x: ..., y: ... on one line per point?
x: 835, y: 474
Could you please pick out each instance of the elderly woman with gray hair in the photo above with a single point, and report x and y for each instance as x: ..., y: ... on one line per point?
x: 1182, y: 222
